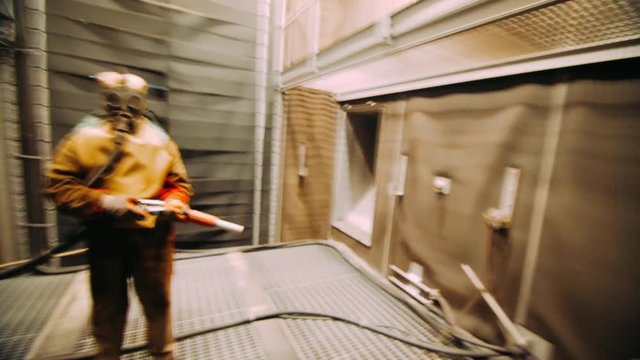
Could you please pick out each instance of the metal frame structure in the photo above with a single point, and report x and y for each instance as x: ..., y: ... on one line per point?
x: 417, y: 24
x: 427, y: 21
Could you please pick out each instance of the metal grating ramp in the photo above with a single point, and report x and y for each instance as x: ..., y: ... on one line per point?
x: 312, y: 277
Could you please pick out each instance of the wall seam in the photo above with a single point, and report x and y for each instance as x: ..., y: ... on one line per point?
x: 549, y: 154
x: 393, y: 202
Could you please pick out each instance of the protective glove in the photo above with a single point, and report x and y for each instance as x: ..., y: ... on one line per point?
x: 121, y: 207
x: 177, y: 208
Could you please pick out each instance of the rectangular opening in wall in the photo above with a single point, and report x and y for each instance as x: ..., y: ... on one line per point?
x: 354, y: 183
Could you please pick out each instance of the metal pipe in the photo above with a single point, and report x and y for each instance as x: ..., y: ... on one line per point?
x: 32, y: 175
x: 261, y: 76
x: 8, y: 239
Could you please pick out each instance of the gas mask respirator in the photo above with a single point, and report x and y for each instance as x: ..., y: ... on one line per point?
x: 124, y: 105
x: 124, y: 99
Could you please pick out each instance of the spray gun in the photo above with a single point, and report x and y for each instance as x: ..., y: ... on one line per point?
x: 150, y: 205
x: 193, y: 216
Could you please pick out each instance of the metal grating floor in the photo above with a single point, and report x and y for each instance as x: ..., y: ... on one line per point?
x: 203, y: 296
x: 297, y: 278
x: 25, y: 305
x: 328, y: 284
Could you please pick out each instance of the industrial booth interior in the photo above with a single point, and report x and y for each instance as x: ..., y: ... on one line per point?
x: 416, y: 178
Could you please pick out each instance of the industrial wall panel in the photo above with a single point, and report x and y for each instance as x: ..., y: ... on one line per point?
x: 218, y: 157
x: 226, y: 172
x: 227, y: 22
x: 221, y: 10
x: 227, y: 209
x: 339, y: 19
x: 238, y: 118
x: 185, y: 22
x: 235, y: 198
x: 587, y: 284
x: 210, y: 55
x: 211, y: 102
x: 196, y: 83
x: 209, y: 73
x: 221, y: 44
x: 214, y: 143
x: 76, y: 29
x: 109, y: 53
x: 103, y: 13
x: 207, y: 129
x: 199, y: 59
x: 206, y: 186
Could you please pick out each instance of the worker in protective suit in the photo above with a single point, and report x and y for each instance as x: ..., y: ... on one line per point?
x: 97, y: 169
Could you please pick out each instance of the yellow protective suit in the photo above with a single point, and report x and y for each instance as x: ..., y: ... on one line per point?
x: 150, y: 167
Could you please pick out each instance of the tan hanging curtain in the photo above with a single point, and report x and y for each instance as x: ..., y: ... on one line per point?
x: 469, y: 139
x: 308, y: 164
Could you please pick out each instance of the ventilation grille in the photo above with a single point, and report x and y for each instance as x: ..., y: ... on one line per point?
x: 576, y: 23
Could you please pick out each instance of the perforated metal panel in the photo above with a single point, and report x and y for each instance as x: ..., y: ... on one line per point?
x: 576, y: 23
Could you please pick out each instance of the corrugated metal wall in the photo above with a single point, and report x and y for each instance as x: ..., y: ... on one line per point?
x: 200, y: 60
x: 10, y: 239
x: 25, y: 144
x: 306, y: 200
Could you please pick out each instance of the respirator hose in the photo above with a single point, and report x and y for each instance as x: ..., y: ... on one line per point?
x: 76, y: 235
x: 71, y: 239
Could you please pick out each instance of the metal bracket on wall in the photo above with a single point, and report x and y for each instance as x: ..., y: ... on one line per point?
x: 303, y: 170
x: 412, y: 284
x: 500, y: 218
x: 383, y: 30
x: 415, y: 287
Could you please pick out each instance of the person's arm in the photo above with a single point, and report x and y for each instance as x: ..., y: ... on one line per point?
x: 177, y: 190
x: 65, y: 182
